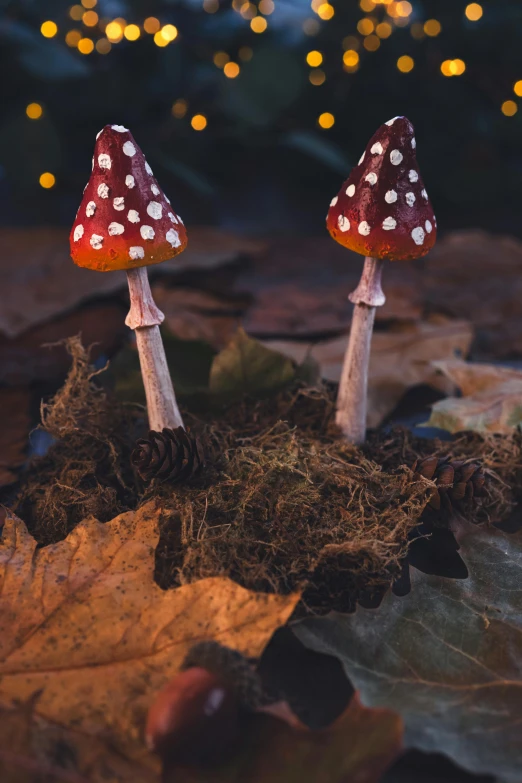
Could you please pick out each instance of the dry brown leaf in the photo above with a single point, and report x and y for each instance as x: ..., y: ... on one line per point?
x: 83, y: 622
x: 14, y: 432
x: 399, y: 360
x: 40, y: 281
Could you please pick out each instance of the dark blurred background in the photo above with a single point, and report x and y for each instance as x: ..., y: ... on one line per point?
x: 252, y: 113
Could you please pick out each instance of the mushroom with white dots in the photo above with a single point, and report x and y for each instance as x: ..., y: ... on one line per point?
x: 108, y: 235
x: 382, y: 212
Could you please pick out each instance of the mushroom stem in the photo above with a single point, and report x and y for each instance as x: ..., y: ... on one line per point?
x: 144, y: 317
x: 353, y: 387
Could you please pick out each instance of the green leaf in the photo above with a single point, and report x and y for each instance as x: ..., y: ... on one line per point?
x: 246, y: 366
x: 447, y: 657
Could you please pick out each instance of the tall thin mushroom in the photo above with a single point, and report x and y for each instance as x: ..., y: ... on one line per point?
x: 125, y: 221
x: 382, y: 212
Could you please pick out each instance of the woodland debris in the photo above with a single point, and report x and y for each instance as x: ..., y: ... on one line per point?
x: 172, y: 455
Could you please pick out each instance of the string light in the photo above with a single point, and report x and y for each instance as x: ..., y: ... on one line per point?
x: 89, y: 3
x: 403, y: 9
x: 517, y: 88
x: 384, y: 30
x: 365, y: 26
x: 159, y: 40
x: 47, y: 180
x: 314, y: 58
x: 248, y: 10
x: 350, y: 58
x: 474, y: 12
x: 211, y: 6
x: 199, y: 122
x: 72, y: 38
x: 85, y: 45
x: 326, y: 120
x: 266, y: 7
x: 371, y: 43
x: 132, y: 32
x: 114, y: 32
x: 432, y: 27
x: 151, y: 25
x: 103, y: 46
x: 76, y: 12
x: 405, y: 64
x: 367, y: 5
x: 509, y: 108
x: 317, y: 77
x: 453, y: 67
x: 231, y: 70
x: 49, y: 29
x: 325, y: 11
x: 311, y: 27
x: 34, y: 111
x: 179, y: 108
x: 169, y: 32
x: 221, y: 59
x: 258, y: 24
x: 90, y: 19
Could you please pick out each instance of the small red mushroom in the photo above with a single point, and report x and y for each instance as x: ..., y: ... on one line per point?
x: 125, y: 221
x: 382, y: 212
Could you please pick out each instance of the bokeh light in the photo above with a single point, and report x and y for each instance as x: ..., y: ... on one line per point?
x: 90, y: 19
x: 509, y: 108
x: 179, y: 108
x: 85, y: 45
x: 432, y: 27
x: 231, y: 70
x: 405, y: 64
x: 474, y: 12
x: 518, y: 88
x: 47, y: 180
x: 199, y: 122
x: 132, y: 32
x: 34, y: 111
x: 317, y: 77
x: 49, y: 29
x: 151, y: 25
x: 326, y: 120
x: 259, y: 24
x: 314, y: 59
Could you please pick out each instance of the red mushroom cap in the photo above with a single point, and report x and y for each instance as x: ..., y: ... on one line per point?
x: 383, y: 209
x: 125, y: 220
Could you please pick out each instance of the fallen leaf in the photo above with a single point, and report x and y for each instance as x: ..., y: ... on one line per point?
x: 83, y: 622
x: 246, y: 366
x: 276, y: 748
x: 399, y: 360
x: 40, y: 281
x: 492, y: 400
x: 14, y: 432
x: 447, y: 657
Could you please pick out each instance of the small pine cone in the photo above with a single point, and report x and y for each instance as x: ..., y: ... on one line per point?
x: 170, y: 455
x: 458, y: 482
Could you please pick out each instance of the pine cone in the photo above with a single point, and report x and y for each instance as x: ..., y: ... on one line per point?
x: 172, y: 455
x: 458, y: 482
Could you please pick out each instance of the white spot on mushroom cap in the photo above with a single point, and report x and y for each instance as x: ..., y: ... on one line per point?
x: 129, y: 149
x: 364, y: 228
x: 120, y: 128
x: 377, y: 148
x: 413, y: 143
x: 136, y: 252
x: 103, y: 190
x: 147, y: 232
x: 361, y: 158
x: 371, y: 178
x: 424, y: 194
x: 155, y: 190
x: 429, y: 227
x: 343, y: 223
x: 334, y: 201
x: 173, y: 237
x: 390, y: 122
x: 391, y: 197
x: 410, y: 199
x: 173, y: 217
x: 90, y: 209
x: 148, y: 168
x: 154, y: 209
x: 180, y: 220
x: 350, y: 190
x: 129, y: 181
x: 119, y: 203
x: 418, y: 235
x: 115, y: 229
x: 104, y: 161
x: 389, y: 224
x: 78, y: 232
x: 133, y: 216
x: 413, y: 176
x: 99, y: 134
x: 96, y: 241
x: 396, y: 157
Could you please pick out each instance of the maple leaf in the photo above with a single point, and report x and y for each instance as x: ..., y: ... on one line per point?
x: 447, y: 657
x: 277, y: 748
x: 83, y: 625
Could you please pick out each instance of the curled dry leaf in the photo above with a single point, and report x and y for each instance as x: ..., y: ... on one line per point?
x: 447, y: 657
x: 276, y: 748
x: 83, y: 623
x: 491, y: 401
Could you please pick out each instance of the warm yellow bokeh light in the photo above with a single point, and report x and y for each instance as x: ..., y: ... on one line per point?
x: 403, y: 9
x: 85, y: 45
x: 314, y: 58
x: 34, y: 111
x: 114, y: 32
x: 90, y: 18
x: 199, y: 122
x: 518, y: 88
x: 371, y: 43
x: 151, y: 25
x: 231, y: 70
x: 132, y: 32
x: 325, y: 11
x: 365, y: 26
x: 72, y: 38
x: 367, y: 5
x: 211, y: 6
x: 89, y: 3
x: 159, y: 40
x: 509, y: 108
x: 179, y: 108
x: 384, y: 30
x: 317, y: 77
x: 221, y: 59
x: 405, y: 64
x: 432, y: 27
x: 266, y: 7
x: 169, y: 32
x: 350, y: 58
x: 453, y: 67
x: 47, y: 180
x: 76, y: 12
x: 326, y: 120
x: 248, y: 10
x: 103, y: 46
x: 259, y: 24
x: 49, y: 29
x: 246, y: 54
x: 474, y: 12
